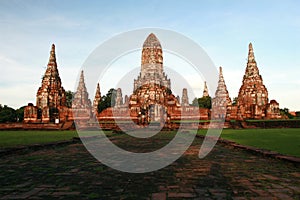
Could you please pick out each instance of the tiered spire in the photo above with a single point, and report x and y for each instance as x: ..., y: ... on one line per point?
x: 52, y: 58
x: 152, y: 65
x: 222, y: 91
x: 81, y: 97
x: 221, y: 100
x: 205, y: 90
x: 52, y: 70
x: 253, y: 95
x: 252, y: 69
x: 97, y: 99
x: 51, y: 93
x: 152, y: 51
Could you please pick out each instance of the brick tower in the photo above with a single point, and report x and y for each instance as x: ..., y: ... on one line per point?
x: 221, y: 100
x: 50, y: 97
x: 253, y: 95
x: 81, y: 105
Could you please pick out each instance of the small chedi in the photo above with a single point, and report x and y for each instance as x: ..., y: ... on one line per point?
x: 97, y: 99
x: 221, y: 102
x: 152, y: 99
x: 81, y: 104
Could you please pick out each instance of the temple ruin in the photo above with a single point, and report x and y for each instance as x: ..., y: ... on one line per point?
x: 152, y: 99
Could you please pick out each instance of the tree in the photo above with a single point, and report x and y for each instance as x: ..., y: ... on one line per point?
x: 298, y: 114
x: 286, y: 112
x: 7, y: 114
x: 195, y: 102
x: 20, y: 114
x: 69, y: 98
x: 108, y: 100
x: 234, y: 101
x: 169, y: 91
x: 203, y: 102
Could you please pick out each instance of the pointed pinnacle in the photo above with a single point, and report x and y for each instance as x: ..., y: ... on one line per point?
x: 81, y: 79
x: 251, y: 57
x: 205, y: 85
x: 52, y: 58
x: 250, y: 46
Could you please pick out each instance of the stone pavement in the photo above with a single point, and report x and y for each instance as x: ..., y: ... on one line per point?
x: 70, y: 172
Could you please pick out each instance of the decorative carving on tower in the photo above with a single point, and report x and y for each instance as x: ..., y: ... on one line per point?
x: 152, y: 89
x: 152, y: 99
x: 152, y: 65
x: 184, y: 98
x: 273, y: 110
x: 51, y: 95
x: 253, y: 95
x: 205, y: 90
x: 81, y: 105
x: 221, y: 101
x: 97, y: 99
x: 81, y: 96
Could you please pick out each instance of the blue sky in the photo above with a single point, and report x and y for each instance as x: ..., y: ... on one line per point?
x: 222, y: 28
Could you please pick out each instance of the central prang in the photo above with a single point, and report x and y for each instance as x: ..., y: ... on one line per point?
x: 152, y: 99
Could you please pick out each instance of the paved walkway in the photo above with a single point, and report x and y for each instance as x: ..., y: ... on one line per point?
x: 70, y: 172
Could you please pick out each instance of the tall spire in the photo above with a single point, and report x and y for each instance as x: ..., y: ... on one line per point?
x: 251, y: 70
x: 96, y: 99
x: 52, y: 57
x: 253, y: 95
x: 221, y: 74
x: 222, y: 91
x: 152, y: 72
x: 221, y: 100
x: 81, y: 85
x: 221, y: 82
x: 81, y: 97
x: 251, y: 57
x: 152, y: 55
x: 205, y: 90
x: 152, y: 51
x: 51, y: 93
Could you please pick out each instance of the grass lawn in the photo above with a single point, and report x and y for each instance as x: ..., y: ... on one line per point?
x: 22, y: 138
x: 17, y: 138
x: 285, y: 141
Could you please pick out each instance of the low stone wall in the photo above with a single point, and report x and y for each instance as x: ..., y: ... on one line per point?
x: 111, y: 125
x: 267, y: 124
x: 11, y: 126
x: 36, y: 126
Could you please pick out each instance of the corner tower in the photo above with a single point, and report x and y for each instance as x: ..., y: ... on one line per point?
x: 51, y: 93
x: 253, y: 95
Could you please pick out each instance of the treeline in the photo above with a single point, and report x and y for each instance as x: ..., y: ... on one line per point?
x: 8, y: 114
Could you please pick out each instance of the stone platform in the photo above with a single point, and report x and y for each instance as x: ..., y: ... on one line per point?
x: 70, y: 172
